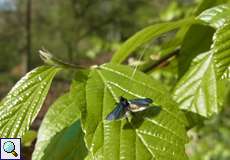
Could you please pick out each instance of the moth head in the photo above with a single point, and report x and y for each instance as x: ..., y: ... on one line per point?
x: 124, y: 101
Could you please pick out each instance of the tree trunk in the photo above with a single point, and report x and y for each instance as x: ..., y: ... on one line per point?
x: 28, y: 35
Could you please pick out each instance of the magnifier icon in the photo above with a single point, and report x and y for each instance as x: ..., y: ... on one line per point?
x: 9, y: 147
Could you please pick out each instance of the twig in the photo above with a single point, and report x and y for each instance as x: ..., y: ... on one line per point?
x: 160, y: 61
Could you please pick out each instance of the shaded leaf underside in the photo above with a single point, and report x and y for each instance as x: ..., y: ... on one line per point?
x: 158, y: 133
x: 60, y: 135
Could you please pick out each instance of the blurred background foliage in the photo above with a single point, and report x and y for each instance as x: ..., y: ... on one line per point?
x: 77, y: 30
x: 87, y: 32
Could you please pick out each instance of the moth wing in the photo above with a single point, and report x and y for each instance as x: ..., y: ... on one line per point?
x: 137, y: 108
x: 141, y: 101
x: 117, y: 113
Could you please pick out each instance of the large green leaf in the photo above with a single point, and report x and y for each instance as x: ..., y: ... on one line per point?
x: 157, y: 133
x: 19, y: 108
x: 60, y: 135
x: 216, y: 16
x: 146, y: 35
x: 219, y: 17
x: 221, y: 51
x: 196, y: 91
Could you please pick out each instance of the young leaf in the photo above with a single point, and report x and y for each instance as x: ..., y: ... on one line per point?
x: 216, y: 16
x: 19, y: 108
x: 197, y: 90
x: 146, y: 35
x: 60, y: 135
x: 157, y: 133
x: 49, y: 59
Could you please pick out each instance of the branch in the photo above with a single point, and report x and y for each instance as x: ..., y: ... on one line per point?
x: 164, y: 59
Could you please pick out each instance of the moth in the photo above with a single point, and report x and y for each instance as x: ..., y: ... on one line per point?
x: 125, y: 106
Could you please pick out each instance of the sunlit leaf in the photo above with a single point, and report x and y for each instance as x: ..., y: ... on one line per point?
x: 60, y: 135
x: 219, y: 17
x: 206, y: 4
x: 146, y: 35
x: 216, y: 16
x: 21, y: 105
x: 197, y: 89
x: 157, y: 133
x: 221, y: 51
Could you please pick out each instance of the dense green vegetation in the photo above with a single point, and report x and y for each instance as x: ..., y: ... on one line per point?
x: 181, y: 60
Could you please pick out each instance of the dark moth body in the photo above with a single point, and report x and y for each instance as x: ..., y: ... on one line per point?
x: 124, y: 106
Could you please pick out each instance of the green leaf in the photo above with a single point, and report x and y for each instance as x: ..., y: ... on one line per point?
x: 216, y: 16
x: 79, y: 84
x: 60, y: 135
x: 157, y: 133
x: 223, y: 91
x: 19, y: 108
x: 146, y: 35
x: 221, y: 51
x: 206, y: 4
x: 197, y: 89
x: 219, y: 17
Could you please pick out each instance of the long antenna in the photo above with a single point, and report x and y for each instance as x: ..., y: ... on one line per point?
x: 140, y: 57
x: 135, y: 69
